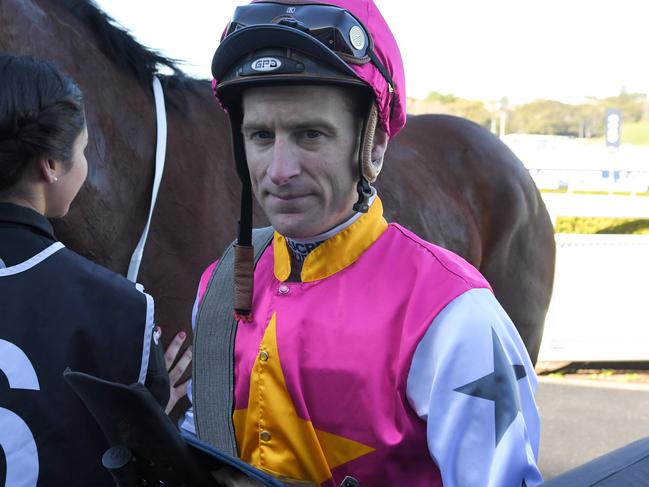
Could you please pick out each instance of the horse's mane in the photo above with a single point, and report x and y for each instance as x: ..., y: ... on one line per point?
x: 122, y: 49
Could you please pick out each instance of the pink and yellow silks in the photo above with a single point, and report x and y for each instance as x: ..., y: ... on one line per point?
x: 320, y: 372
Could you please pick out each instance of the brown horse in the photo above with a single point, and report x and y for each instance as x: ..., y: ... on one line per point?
x: 446, y: 178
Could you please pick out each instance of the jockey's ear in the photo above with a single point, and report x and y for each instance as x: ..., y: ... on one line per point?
x: 380, y: 144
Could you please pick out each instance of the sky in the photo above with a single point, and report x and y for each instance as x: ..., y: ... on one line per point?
x: 523, y: 50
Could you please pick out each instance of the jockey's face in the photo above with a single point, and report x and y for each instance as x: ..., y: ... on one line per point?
x: 302, y: 149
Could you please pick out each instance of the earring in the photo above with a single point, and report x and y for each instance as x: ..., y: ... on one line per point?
x: 55, y: 179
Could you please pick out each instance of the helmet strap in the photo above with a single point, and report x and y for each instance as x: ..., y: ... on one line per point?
x: 368, y: 169
x: 364, y: 194
x: 244, y: 256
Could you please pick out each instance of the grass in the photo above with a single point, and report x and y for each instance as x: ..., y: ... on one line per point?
x: 635, y: 373
x: 636, y: 133
x: 590, y: 225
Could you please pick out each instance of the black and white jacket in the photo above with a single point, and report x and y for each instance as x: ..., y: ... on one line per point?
x: 58, y: 310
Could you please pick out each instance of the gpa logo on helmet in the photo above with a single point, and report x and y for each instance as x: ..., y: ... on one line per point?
x: 266, y: 64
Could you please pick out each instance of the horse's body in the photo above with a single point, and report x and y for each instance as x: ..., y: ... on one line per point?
x: 449, y: 180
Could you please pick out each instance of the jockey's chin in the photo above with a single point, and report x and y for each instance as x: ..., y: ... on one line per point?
x: 302, y: 218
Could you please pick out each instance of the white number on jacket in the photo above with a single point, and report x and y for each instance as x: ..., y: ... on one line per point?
x: 16, y: 439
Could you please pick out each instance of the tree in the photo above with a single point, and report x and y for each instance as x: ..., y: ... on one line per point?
x: 633, y: 105
x: 545, y: 117
x: 451, y: 105
x: 541, y: 116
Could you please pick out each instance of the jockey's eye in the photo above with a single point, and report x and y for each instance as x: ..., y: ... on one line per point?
x: 312, y: 134
x: 261, y: 135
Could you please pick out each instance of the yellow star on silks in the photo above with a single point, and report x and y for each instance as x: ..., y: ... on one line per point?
x: 273, y: 438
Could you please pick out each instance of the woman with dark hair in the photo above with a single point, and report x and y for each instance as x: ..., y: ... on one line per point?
x: 57, y: 309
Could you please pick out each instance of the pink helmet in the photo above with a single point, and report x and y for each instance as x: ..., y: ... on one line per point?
x: 339, y: 42
x: 349, y: 35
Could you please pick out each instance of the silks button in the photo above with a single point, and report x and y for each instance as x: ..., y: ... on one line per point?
x: 263, y: 355
x: 283, y: 289
x: 264, y: 435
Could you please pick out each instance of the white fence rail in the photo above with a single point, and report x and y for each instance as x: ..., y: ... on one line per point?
x: 577, y: 164
x: 600, y: 303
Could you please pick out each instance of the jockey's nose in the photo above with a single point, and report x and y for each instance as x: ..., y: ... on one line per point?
x: 284, y: 164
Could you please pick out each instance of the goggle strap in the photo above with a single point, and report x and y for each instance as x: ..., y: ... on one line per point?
x: 353, y: 60
x: 384, y: 72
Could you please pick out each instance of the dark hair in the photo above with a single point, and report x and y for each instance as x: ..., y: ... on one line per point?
x: 41, y: 115
x: 357, y: 100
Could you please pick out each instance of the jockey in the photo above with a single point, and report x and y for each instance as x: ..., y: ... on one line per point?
x: 367, y: 352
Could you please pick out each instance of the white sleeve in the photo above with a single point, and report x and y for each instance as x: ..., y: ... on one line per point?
x: 149, y: 326
x: 473, y: 383
x: 187, y: 421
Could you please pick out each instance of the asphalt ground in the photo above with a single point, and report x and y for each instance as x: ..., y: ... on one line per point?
x: 582, y: 419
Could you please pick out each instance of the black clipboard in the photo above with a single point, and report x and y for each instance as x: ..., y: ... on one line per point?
x: 146, y: 445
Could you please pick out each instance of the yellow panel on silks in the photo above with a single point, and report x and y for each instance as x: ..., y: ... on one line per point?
x: 273, y: 438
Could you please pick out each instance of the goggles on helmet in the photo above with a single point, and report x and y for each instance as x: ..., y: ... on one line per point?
x: 329, y: 33
x: 336, y: 28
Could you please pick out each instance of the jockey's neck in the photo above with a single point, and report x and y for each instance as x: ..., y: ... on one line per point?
x: 300, y: 248
x: 296, y: 269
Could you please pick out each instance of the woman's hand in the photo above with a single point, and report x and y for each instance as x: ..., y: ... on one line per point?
x: 177, y: 391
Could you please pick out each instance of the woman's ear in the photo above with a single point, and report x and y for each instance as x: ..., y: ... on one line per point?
x: 380, y: 144
x: 47, y: 168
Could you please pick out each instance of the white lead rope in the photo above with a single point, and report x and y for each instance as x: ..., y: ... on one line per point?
x: 160, y: 153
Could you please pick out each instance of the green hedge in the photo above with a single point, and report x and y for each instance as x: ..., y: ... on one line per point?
x: 587, y: 225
